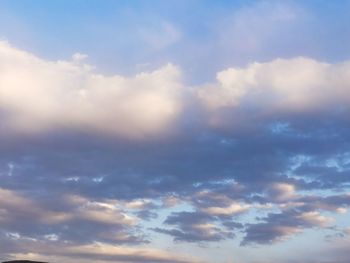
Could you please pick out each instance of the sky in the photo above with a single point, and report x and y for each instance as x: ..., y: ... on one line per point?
x: 175, y: 131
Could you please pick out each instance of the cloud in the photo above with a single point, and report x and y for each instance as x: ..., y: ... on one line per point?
x: 99, y: 252
x: 230, y: 210
x: 42, y: 96
x: 287, y: 85
x: 197, y: 227
x: 298, y: 213
x: 279, y: 227
x: 281, y: 192
x: 38, y: 95
x: 73, y: 219
x: 264, y: 139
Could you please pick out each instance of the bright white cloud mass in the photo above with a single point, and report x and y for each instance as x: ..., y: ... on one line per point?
x: 40, y: 95
x: 187, y: 158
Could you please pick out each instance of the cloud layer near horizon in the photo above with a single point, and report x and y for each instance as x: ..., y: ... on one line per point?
x: 88, y: 159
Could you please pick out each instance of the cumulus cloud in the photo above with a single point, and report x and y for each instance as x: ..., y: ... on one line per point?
x: 40, y: 95
x: 289, y: 85
x: 37, y: 95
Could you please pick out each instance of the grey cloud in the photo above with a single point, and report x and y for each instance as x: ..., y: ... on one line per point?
x: 278, y: 227
x: 77, y: 220
x: 298, y: 213
x: 198, y: 227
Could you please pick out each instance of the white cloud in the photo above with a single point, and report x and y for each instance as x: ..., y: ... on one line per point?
x: 233, y: 209
x: 289, y: 85
x: 138, y: 204
x: 36, y: 95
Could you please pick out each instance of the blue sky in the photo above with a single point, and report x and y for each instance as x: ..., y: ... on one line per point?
x: 138, y: 131
x: 202, y: 36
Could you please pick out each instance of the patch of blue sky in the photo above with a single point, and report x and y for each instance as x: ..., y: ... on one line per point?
x: 203, y: 37
x: 279, y: 127
x: 342, y: 219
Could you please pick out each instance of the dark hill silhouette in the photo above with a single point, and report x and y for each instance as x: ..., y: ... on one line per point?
x: 23, y: 261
